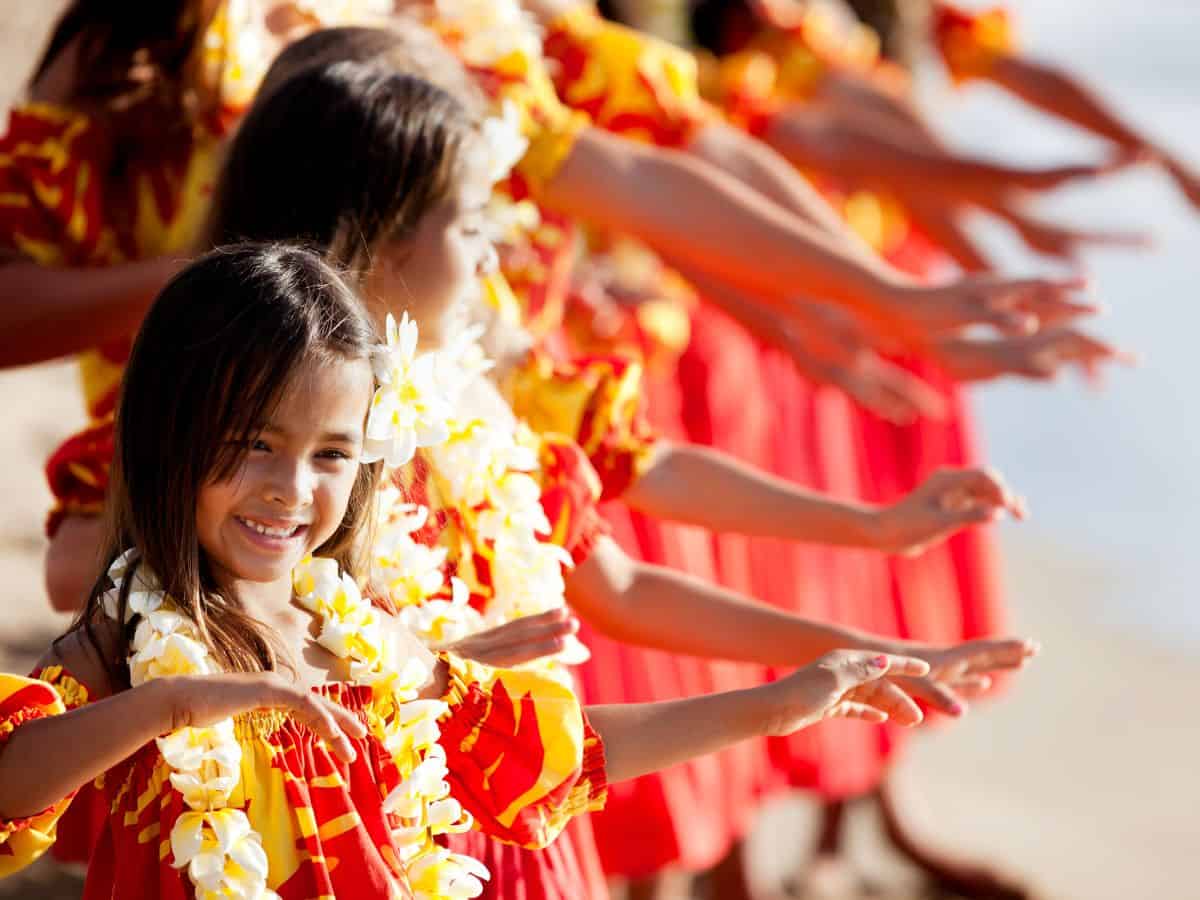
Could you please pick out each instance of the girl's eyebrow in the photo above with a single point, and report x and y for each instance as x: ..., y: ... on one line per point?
x: 336, y: 437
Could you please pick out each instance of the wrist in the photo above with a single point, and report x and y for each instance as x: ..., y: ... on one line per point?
x: 168, y: 703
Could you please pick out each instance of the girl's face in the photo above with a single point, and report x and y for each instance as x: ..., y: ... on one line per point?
x: 434, y: 273
x: 290, y: 493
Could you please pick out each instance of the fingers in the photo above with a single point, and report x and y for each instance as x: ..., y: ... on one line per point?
x: 963, y: 490
x: 853, y: 668
x: 971, y: 686
x: 327, y: 720
x: 1046, y: 300
x: 520, y: 641
x: 889, y: 698
x: 518, y: 654
x: 937, y: 695
x: 862, y: 711
x: 996, y: 655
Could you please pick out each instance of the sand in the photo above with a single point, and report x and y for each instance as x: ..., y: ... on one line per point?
x: 1083, y: 779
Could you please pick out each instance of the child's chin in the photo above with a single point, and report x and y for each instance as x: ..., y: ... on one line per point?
x: 267, y: 572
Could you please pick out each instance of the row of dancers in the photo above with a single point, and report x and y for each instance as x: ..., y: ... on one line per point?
x: 518, y: 446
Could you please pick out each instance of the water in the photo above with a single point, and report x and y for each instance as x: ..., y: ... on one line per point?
x: 1114, y: 476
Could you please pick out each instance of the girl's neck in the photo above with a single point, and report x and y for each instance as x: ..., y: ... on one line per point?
x: 270, y: 603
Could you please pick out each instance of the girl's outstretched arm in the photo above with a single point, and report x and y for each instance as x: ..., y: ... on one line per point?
x: 741, y: 498
x: 699, y: 217
x: 657, y: 607
x: 646, y: 737
x: 69, y: 750
x: 49, y: 312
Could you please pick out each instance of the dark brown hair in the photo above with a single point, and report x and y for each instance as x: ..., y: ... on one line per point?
x: 132, y: 58
x: 342, y: 157
x: 213, y: 357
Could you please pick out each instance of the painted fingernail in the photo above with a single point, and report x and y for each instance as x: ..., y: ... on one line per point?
x: 957, y: 709
x: 880, y: 662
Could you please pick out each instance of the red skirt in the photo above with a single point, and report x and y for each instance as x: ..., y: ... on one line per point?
x: 814, y: 442
x: 690, y: 816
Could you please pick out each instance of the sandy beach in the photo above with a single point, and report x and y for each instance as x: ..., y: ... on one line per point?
x: 1081, y: 780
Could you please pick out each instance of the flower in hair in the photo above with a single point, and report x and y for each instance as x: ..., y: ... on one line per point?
x: 409, y: 409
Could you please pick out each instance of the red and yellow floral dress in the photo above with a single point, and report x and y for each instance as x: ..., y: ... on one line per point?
x: 322, y: 821
x: 68, y: 199
x: 532, y: 866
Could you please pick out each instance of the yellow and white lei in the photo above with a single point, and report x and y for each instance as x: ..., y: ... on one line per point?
x: 486, y: 470
x: 351, y: 629
x: 223, y: 854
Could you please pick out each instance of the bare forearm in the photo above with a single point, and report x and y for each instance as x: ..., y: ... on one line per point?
x: 740, y: 498
x: 1061, y: 95
x: 653, y: 606
x: 46, y: 313
x: 644, y: 737
x: 691, y: 212
x: 760, y: 168
x: 67, y: 751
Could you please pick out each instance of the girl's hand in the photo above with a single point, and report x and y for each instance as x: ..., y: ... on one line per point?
x: 203, y: 700
x: 963, y: 672
x: 829, y: 346
x: 1067, y: 243
x: 852, y: 684
x: 890, y: 391
x: 519, y: 642
x: 947, y: 501
x: 1010, y: 305
x: 1039, y: 357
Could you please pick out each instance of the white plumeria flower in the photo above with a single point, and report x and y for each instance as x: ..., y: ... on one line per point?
x: 418, y: 731
x: 145, y: 594
x: 440, y: 622
x: 409, y: 409
x: 491, y: 30
x: 206, y: 842
x: 166, y: 655
x: 503, y: 141
x: 446, y: 816
x: 461, y: 361
x: 508, y: 220
x: 315, y: 581
x: 408, y: 571
x: 445, y: 875
x: 516, y: 508
x: 188, y: 748
x: 477, y: 456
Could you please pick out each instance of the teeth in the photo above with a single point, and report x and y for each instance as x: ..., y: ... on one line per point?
x: 269, y: 532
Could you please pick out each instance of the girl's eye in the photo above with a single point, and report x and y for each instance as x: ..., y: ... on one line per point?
x: 260, y: 445
x: 333, y: 454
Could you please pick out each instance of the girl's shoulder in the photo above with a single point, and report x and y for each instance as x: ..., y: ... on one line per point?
x: 79, y: 656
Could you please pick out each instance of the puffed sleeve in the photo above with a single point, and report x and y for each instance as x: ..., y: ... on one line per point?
x: 570, y: 490
x: 971, y: 42
x: 627, y: 82
x: 23, y: 700
x: 77, y: 473
x: 523, y: 759
x: 594, y: 401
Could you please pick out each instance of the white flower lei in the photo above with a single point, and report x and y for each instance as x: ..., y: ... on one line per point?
x: 489, y: 469
x: 223, y: 854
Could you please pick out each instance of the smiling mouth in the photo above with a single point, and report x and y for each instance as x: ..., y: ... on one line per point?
x: 272, y: 533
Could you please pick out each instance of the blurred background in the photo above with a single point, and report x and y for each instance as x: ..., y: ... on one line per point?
x: 1083, y: 779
